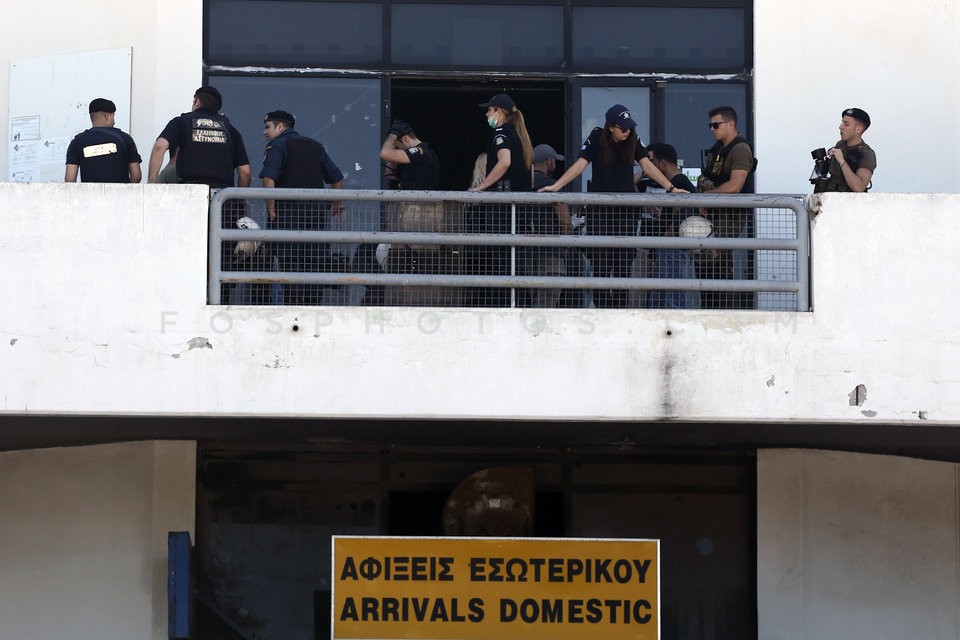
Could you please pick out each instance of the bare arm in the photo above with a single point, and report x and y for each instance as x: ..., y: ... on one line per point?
x: 71, y: 174
x: 858, y: 181
x: 738, y: 177
x: 390, y: 153
x: 243, y: 175
x: 270, y: 183
x: 156, y: 159
x: 499, y: 170
x: 575, y: 170
x: 135, y: 174
x: 336, y: 208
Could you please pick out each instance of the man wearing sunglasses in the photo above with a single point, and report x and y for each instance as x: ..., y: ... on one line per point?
x: 726, y: 169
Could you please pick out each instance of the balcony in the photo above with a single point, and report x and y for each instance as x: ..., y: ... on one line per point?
x: 107, y: 314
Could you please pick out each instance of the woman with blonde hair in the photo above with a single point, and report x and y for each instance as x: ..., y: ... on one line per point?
x: 510, y: 153
x: 509, y: 159
x: 479, y: 171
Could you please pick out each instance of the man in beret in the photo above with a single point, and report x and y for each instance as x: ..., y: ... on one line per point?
x: 208, y: 147
x: 295, y: 161
x: 852, y: 161
x: 103, y: 153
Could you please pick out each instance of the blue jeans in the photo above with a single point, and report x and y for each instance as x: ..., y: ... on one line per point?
x: 677, y: 264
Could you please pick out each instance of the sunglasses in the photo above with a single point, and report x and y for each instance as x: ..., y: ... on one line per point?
x: 716, y: 125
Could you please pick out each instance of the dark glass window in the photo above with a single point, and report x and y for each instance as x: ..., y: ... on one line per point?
x: 491, y: 36
x: 252, y: 32
x: 658, y: 38
x: 685, y: 115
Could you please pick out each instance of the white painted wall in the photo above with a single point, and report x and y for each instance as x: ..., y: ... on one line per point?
x: 854, y: 546
x: 110, y: 318
x: 83, y: 538
x: 166, y: 37
x: 897, y: 59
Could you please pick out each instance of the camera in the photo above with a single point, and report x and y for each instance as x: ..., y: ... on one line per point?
x: 821, y: 165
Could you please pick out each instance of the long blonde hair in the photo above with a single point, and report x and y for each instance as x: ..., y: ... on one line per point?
x: 479, y: 170
x: 515, y: 118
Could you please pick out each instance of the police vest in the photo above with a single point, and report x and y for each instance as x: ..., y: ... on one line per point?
x: 836, y: 182
x: 104, y: 161
x: 207, y: 154
x: 305, y: 156
x: 715, y: 158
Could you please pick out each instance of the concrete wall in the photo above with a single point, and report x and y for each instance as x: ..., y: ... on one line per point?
x: 897, y: 59
x: 855, y: 546
x: 108, y: 316
x: 83, y: 538
x: 166, y: 37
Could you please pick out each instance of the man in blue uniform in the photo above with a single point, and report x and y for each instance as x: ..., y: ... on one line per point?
x: 294, y: 161
x: 209, y: 148
x: 103, y: 153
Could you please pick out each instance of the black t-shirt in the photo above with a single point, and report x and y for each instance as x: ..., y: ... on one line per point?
x: 541, y: 219
x: 506, y: 137
x: 671, y: 217
x: 104, y: 154
x: 609, y: 178
x: 423, y: 172
x: 209, y: 147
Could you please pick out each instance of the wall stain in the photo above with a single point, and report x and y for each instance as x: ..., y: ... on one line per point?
x: 858, y: 396
x: 199, y: 343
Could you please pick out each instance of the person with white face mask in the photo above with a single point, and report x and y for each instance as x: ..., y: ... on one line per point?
x: 509, y: 158
x: 510, y: 152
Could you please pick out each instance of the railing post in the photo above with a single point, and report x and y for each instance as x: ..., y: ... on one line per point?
x: 215, y: 249
x: 513, y: 252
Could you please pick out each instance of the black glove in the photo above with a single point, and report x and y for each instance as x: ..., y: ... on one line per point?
x: 400, y: 128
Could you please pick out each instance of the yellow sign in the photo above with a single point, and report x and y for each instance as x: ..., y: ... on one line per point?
x: 495, y: 589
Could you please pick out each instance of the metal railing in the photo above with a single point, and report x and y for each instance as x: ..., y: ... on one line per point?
x: 775, y: 243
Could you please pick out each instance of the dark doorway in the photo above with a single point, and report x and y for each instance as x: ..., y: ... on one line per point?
x: 445, y: 114
x: 266, y: 513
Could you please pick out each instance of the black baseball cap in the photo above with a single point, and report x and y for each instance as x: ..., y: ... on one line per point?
x: 857, y: 114
x: 102, y: 104
x: 620, y: 116
x: 280, y: 116
x: 212, y: 92
x: 501, y: 100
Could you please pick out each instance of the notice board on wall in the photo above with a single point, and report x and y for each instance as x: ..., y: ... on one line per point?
x: 49, y: 105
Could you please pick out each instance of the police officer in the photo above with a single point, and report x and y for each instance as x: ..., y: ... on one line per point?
x: 727, y: 169
x: 103, y: 153
x: 415, y: 167
x: 509, y: 157
x: 209, y: 148
x: 295, y: 161
x: 613, y: 151
x: 409, y: 160
x: 852, y: 161
x: 510, y: 152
